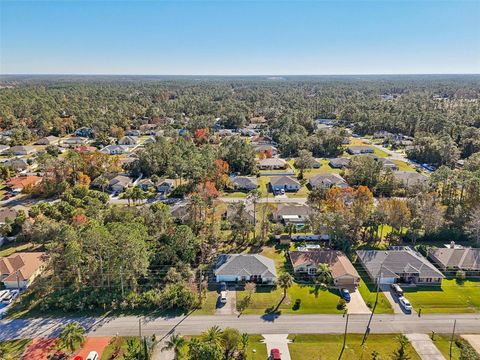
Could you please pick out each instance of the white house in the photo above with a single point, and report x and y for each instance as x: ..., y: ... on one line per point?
x: 245, y: 267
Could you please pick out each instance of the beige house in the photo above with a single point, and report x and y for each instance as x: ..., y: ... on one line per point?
x: 305, y: 263
x: 19, y: 270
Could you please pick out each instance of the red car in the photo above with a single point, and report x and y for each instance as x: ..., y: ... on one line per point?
x: 275, y: 354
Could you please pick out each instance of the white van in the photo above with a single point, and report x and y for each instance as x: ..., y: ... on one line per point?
x: 92, y: 355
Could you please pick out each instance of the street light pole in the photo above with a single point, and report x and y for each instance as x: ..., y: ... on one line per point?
x: 453, y: 335
x: 367, y: 330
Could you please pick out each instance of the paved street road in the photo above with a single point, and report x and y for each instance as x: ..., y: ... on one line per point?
x: 283, y: 324
x: 271, y: 200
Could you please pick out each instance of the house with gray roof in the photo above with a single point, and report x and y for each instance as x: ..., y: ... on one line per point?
x: 286, y: 183
x: 399, y: 265
x: 48, y: 140
x: 116, y: 149
x: 244, y: 183
x: 466, y: 259
x: 22, y: 150
x: 326, y: 181
x: 360, y: 149
x: 339, y: 163
x: 387, y: 163
x: 272, y: 164
x: 287, y: 213
x: 245, y: 267
x: 411, y: 178
x: 128, y: 140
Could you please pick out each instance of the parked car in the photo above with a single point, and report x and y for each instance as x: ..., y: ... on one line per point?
x: 223, y: 297
x: 405, y: 304
x: 3, y: 294
x: 275, y: 354
x: 223, y: 286
x: 345, y: 294
x: 92, y: 355
x: 397, y: 290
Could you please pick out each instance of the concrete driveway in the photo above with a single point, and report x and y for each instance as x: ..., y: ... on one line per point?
x: 474, y: 340
x: 278, y: 341
x: 357, y: 305
x: 425, y: 347
x: 393, y: 299
x: 230, y: 308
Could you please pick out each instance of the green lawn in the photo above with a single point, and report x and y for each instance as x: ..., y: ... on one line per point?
x: 209, y: 303
x: 403, y: 166
x: 451, y: 297
x: 313, y: 300
x: 11, y: 248
x: 369, y: 295
x: 442, y: 342
x: 255, y: 343
x: 109, y: 350
x: 379, y: 153
x: 328, y: 347
x: 15, y: 348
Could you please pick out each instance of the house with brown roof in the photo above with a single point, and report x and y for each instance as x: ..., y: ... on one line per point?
x: 19, y: 183
x: 305, y: 263
x: 19, y: 270
x: 48, y: 140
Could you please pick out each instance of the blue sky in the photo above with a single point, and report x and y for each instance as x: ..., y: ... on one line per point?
x: 239, y: 37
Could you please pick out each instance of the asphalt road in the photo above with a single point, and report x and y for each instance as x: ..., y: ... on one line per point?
x: 253, y: 324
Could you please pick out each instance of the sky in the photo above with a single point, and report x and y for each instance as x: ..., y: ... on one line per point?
x: 239, y: 37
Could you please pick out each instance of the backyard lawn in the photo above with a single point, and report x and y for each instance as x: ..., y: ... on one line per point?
x: 14, y: 347
x: 328, y: 347
x: 12, y: 247
x: 452, y: 297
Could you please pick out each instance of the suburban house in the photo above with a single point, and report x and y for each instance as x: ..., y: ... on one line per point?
x: 326, y: 181
x: 116, y: 149
x: 411, y: 178
x: 3, y: 148
x: 245, y: 267
x: 19, y: 270
x: 19, y: 183
x: 22, y: 150
x: 232, y: 211
x: 84, y: 132
x: 266, y: 149
x: 400, y: 264
x: 272, y: 164
x: 82, y: 149
x: 180, y: 211
x: 286, y: 213
x: 128, y: 140
x: 150, y: 139
x: 339, y: 163
x: 360, y: 149
x: 244, y: 183
x: 17, y: 164
x: 7, y: 215
x: 74, y: 141
x: 148, y: 129
x: 133, y: 133
x: 261, y: 140
x: 388, y: 164
x: 315, y: 164
x: 286, y: 183
x: 119, y: 183
x: 49, y: 140
x: 163, y: 185
x: 382, y: 134
x: 305, y: 263
x: 455, y: 258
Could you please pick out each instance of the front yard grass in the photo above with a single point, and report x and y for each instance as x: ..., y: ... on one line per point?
x: 15, y: 348
x: 255, y: 343
x: 328, y: 347
x: 403, y: 166
x: 110, y: 349
x: 209, y: 302
x: 451, y: 297
x: 369, y: 295
x: 313, y: 300
x: 442, y: 342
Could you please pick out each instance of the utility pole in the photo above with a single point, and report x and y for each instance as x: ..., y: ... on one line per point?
x: 453, y: 335
x: 200, y: 281
x: 140, y: 327
x: 344, y: 336
x: 18, y: 279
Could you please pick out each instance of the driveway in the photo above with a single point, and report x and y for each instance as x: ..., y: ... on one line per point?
x: 474, y: 340
x: 38, y: 349
x: 278, y: 341
x: 357, y: 304
x: 230, y: 308
x: 393, y: 299
x: 97, y: 344
x: 425, y: 347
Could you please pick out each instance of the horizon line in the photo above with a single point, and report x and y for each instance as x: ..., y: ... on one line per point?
x: 269, y: 75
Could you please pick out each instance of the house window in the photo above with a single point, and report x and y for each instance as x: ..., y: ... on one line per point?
x: 311, y: 271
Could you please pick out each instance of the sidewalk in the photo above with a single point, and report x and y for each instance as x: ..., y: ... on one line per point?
x: 425, y: 347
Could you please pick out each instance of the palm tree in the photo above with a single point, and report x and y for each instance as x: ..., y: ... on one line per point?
x: 175, y: 343
x: 71, y: 335
x: 323, y: 276
x: 103, y: 183
x: 127, y: 194
x: 285, y: 281
x: 213, y: 335
x: 244, y: 343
